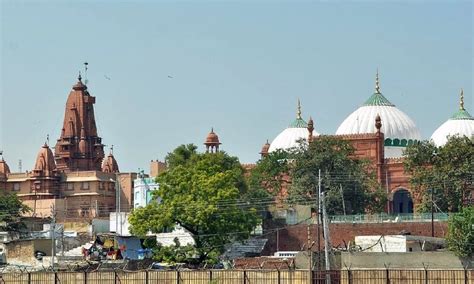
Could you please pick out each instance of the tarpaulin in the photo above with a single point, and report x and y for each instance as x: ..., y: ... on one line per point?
x: 129, y: 247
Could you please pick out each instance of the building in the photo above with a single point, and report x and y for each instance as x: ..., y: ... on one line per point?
x: 77, y: 180
x: 379, y: 132
x: 143, y: 189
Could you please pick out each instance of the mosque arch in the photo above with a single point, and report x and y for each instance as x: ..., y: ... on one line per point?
x: 402, y: 201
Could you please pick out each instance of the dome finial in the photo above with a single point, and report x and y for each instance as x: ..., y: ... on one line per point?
x: 298, y: 111
x: 79, y: 77
x: 377, y: 83
x: 461, y: 101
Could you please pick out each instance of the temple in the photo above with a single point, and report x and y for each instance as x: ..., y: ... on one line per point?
x: 77, y: 180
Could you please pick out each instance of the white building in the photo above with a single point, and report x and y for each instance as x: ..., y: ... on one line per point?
x: 143, y: 189
x: 398, y: 243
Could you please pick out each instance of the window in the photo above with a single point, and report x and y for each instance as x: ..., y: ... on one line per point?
x: 85, y: 185
x: 70, y: 186
x: 101, y: 185
x: 16, y: 186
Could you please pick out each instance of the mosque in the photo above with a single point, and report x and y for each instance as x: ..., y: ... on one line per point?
x: 379, y: 132
x: 77, y: 180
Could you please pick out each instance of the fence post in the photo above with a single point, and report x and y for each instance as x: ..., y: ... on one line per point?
x: 387, y: 276
x: 210, y: 275
x: 85, y: 277
x: 349, y: 276
x: 245, y: 277
x: 426, y: 276
x: 29, y: 277
x: 177, y: 277
x: 55, y: 278
x: 279, y: 276
x: 146, y: 276
x: 466, y: 276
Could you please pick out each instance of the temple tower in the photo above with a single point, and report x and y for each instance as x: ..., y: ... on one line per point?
x: 79, y: 148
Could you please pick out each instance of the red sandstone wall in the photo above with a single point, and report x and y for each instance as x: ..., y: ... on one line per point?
x: 293, y: 238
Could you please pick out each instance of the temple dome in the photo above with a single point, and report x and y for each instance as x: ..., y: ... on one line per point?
x: 45, y: 164
x: 109, y: 164
x: 295, y: 132
x: 460, y: 124
x: 4, y: 169
x: 398, y: 128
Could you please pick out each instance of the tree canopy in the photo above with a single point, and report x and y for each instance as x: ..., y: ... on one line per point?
x: 460, y: 238
x: 11, y: 210
x: 349, y: 184
x: 199, y: 192
x: 448, y: 171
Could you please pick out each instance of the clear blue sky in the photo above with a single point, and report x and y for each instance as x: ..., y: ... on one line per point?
x: 236, y: 66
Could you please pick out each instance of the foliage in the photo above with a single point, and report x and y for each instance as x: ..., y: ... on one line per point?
x: 181, y: 155
x: 460, y: 237
x: 343, y: 178
x: 267, y: 178
x: 447, y: 170
x: 11, y: 210
x: 199, y: 193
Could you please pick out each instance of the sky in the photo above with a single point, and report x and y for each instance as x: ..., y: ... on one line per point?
x: 165, y: 72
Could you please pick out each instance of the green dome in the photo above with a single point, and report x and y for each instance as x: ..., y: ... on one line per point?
x: 377, y: 99
x: 299, y: 123
x: 461, y: 114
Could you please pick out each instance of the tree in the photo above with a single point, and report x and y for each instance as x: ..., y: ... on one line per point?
x: 460, y: 237
x: 200, y: 194
x: 447, y: 171
x: 11, y: 210
x: 269, y: 175
x: 349, y: 184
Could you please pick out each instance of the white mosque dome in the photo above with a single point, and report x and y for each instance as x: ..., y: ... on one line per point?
x: 290, y: 137
x: 460, y: 124
x: 398, y: 128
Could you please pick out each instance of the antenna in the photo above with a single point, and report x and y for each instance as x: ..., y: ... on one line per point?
x: 1, y: 154
x: 47, y: 139
x: 112, y: 149
x: 19, y: 166
x: 85, y: 72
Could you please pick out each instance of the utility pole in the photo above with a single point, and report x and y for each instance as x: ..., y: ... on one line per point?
x: 432, y: 213
x: 53, y: 240
x: 319, y: 218
x: 343, y: 203
x: 326, y: 240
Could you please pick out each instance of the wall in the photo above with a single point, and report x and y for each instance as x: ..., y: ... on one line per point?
x: 22, y: 251
x: 294, y: 238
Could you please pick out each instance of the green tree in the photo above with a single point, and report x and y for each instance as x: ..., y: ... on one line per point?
x: 447, y: 170
x: 460, y: 238
x: 268, y: 176
x: 11, y: 211
x: 181, y: 155
x: 349, y: 184
x: 201, y: 195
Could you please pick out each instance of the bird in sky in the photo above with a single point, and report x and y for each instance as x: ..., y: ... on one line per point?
x: 106, y: 77
x: 171, y: 77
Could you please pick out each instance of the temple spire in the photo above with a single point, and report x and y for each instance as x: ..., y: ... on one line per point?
x: 377, y: 83
x: 298, y: 111
x: 461, y: 100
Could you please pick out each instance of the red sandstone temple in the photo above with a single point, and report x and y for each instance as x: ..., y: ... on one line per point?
x: 78, y: 180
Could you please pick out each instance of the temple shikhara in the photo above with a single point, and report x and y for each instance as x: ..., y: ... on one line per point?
x: 77, y: 180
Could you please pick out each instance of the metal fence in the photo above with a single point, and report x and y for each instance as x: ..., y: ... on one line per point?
x: 245, y: 277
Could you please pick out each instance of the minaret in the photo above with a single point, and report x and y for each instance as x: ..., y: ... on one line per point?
x: 461, y: 100
x: 310, y: 129
x: 264, y: 152
x: 380, y: 155
x: 298, y: 110
x: 212, y: 142
x: 79, y: 148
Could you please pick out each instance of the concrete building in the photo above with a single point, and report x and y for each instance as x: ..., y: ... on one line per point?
x: 143, y: 189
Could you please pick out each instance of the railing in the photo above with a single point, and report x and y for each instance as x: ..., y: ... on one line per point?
x: 388, y: 218
x: 346, y: 276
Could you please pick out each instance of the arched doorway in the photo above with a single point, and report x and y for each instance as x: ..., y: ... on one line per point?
x: 402, y: 201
